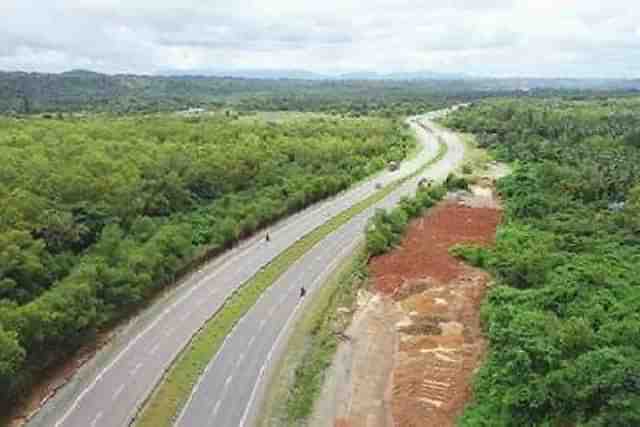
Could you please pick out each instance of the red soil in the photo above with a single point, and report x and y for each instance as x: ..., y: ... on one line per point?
x: 442, y: 343
x: 424, y: 250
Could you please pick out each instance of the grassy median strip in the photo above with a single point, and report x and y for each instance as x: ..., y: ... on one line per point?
x: 176, y: 386
x: 315, y: 341
x: 300, y: 375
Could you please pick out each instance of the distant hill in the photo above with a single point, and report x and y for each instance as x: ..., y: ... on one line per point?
x: 247, y: 74
x: 258, y: 89
x: 418, y: 75
x: 294, y: 74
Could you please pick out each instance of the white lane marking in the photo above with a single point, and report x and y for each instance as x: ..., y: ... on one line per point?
x: 304, y: 215
x: 186, y: 406
x: 228, y: 381
x: 137, y: 338
x: 253, y: 338
x: 262, y: 323
x: 154, y: 349
x: 135, y: 369
x: 117, y: 392
x: 215, y: 408
x: 320, y: 277
x: 271, y: 311
x: 96, y: 419
x: 240, y: 359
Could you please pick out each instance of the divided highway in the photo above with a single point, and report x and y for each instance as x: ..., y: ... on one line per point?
x: 108, y: 390
x: 231, y: 390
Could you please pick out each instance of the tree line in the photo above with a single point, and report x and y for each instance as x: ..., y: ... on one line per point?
x: 100, y: 213
x: 85, y: 91
x: 563, y: 321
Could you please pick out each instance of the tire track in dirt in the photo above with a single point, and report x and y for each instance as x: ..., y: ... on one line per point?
x: 431, y: 302
x: 440, y: 336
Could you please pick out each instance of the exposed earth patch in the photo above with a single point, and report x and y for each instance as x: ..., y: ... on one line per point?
x: 416, y: 341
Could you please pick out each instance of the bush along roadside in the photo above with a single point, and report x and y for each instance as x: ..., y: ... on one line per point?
x: 175, y: 387
x: 384, y: 230
x: 106, y: 213
x: 563, y: 319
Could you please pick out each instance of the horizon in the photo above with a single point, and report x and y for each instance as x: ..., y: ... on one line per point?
x: 381, y: 76
x: 488, y: 38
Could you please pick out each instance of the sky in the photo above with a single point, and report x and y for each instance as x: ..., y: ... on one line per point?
x: 498, y: 38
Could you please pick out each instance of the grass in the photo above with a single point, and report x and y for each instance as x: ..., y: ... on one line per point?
x: 281, y: 116
x: 174, y: 389
x: 338, y: 291
x: 476, y: 160
x: 333, y: 294
x: 317, y: 341
x: 292, y: 399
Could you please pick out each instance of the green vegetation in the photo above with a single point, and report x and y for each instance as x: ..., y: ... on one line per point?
x: 349, y: 276
x: 78, y: 91
x: 176, y: 387
x: 101, y: 213
x: 85, y: 91
x: 384, y: 230
x: 321, y: 342
x: 563, y: 321
x: 476, y: 159
x: 171, y: 395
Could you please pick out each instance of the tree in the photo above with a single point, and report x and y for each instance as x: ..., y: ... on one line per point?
x: 632, y: 209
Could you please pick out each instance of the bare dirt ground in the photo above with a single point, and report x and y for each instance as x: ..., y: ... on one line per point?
x: 417, y: 341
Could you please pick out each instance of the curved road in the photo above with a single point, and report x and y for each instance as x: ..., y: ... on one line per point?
x: 108, y: 390
x: 230, y: 391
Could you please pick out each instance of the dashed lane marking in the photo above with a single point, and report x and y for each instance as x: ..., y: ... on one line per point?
x: 117, y: 392
x: 136, y: 368
x: 96, y: 419
x: 216, y: 408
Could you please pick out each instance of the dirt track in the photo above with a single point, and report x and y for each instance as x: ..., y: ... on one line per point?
x: 430, y: 302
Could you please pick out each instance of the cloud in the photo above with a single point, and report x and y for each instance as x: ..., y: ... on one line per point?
x: 582, y: 38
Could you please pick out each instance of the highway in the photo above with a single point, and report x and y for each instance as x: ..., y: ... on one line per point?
x: 230, y: 392
x: 110, y: 388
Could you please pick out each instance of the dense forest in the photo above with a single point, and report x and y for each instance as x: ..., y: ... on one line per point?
x: 87, y: 91
x: 98, y: 213
x: 563, y: 320
x: 78, y: 91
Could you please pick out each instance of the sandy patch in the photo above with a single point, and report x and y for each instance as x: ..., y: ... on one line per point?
x: 416, y: 344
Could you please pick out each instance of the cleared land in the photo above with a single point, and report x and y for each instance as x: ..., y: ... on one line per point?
x: 416, y: 340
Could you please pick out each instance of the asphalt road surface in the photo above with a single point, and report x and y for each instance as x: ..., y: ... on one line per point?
x: 230, y: 392
x: 110, y: 388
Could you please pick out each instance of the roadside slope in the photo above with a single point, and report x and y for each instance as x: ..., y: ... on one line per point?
x: 233, y: 385
x: 108, y: 390
x: 415, y: 341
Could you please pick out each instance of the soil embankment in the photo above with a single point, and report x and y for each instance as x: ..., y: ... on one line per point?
x: 417, y: 340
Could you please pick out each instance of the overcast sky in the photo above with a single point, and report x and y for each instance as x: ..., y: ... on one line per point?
x: 546, y: 38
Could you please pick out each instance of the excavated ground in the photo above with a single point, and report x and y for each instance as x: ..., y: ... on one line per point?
x: 425, y: 313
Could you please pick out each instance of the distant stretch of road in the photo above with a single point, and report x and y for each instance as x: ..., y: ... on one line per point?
x: 230, y: 391
x: 109, y: 389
